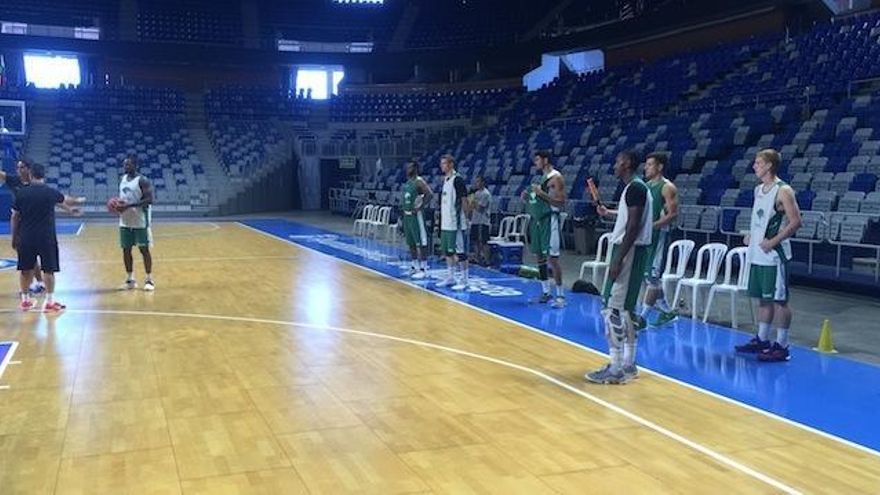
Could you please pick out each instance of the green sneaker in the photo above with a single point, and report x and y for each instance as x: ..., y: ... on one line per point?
x: 664, y: 318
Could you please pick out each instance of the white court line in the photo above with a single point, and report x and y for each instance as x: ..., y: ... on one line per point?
x: 7, y: 358
x: 718, y: 457
x: 695, y: 388
x: 214, y: 227
x: 82, y: 225
x: 187, y: 259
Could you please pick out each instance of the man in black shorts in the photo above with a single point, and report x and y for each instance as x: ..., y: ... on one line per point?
x: 14, y: 183
x: 33, y: 236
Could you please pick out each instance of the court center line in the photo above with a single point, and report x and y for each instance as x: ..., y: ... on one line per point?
x: 716, y: 456
x: 520, y: 324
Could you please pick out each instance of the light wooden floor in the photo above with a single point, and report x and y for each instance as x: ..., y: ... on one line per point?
x: 130, y: 392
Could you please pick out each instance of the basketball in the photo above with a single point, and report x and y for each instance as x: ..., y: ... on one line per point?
x: 112, y: 204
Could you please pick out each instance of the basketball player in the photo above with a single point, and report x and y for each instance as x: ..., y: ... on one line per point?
x: 416, y: 193
x: 453, y: 225
x: 768, y: 256
x: 22, y: 179
x: 481, y: 221
x: 136, y: 195
x: 630, y: 250
x: 664, y: 201
x: 544, y: 202
x: 33, y: 236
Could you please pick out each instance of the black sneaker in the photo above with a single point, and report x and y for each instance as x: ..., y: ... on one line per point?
x: 775, y: 354
x: 754, y: 346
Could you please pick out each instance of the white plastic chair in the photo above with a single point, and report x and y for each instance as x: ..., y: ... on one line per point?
x: 680, y: 251
x: 381, y: 218
x: 709, y: 259
x: 360, y: 225
x: 520, y: 227
x: 603, y: 259
x: 505, y: 228
x: 730, y: 286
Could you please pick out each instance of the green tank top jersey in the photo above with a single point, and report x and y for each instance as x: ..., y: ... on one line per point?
x: 537, y: 207
x: 410, y: 193
x: 657, y: 199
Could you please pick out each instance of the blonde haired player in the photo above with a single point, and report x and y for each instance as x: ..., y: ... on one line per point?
x: 768, y: 256
x: 135, y: 198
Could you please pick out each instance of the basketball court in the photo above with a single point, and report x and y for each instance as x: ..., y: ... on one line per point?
x: 279, y: 357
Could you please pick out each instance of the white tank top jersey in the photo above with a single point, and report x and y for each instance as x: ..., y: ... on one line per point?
x: 553, y: 173
x: 644, y: 238
x: 766, y: 222
x: 130, y: 192
x: 451, y: 216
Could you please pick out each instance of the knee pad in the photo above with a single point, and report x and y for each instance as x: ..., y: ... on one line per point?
x: 617, y: 325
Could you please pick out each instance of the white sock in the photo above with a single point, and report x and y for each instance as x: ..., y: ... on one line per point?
x: 560, y: 291
x: 629, y: 354
x: 451, y: 272
x: 25, y: 296
x: 782, y: 336
x: 545, y: 286
x: 616, y: 359
x: 424, y: 264
x: 50, y: 298
x: 130, y: 276
x: 149, y: 277
x: 764, y: 331
x: 413, y: 265
x: 464, y: 275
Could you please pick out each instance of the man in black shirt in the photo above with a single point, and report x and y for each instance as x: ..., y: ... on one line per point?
x: 33, y: 236
x: 14, y: 183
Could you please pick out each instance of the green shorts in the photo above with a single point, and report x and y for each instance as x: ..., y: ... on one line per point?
x: 623, y: 294
x: 545, y: 236
x: 453, y: 242
x: 769, y: 283
x: 414, y: 230
x: 129, y: 237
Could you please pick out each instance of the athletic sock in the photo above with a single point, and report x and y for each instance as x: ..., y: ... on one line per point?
x: 629, y: 354
x: 763, y: 331
x: 782, y: 336
x: 616, y: 359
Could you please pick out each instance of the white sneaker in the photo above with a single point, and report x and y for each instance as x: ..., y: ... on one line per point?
x: 446, y: 282
x: 128, y: 285
x: 419, y: 275
x: 459, y: 286
x: 149, y: 286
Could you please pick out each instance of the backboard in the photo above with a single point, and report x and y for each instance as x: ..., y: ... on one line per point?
x: 13, y: 118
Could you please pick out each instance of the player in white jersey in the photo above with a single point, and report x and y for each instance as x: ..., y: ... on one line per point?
x: 768, y: 256
x: 630, y: 253
x: 454, y: 225
x: 136, y: 195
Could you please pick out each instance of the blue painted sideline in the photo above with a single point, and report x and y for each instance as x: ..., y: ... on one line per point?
x: 832, y: 394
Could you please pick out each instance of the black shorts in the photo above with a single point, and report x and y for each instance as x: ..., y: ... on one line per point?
x: 47, y: 251
x: 479, y: 234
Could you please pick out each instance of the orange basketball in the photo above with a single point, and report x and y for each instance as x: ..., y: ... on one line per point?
x: 112, y: 204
